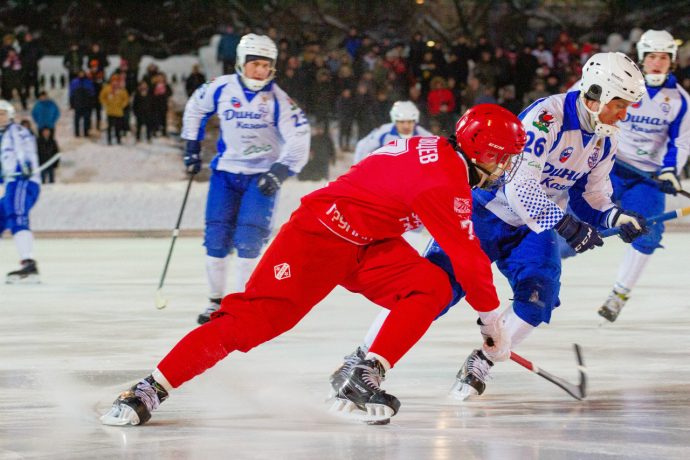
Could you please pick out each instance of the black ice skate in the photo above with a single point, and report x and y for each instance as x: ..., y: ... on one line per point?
x: 361, y: 397
x: 28, y: 274
x: 613, y: 306
x: 205, y: 317
x: 340, y: 375
x: 134, y: 406
x: 471, y: 378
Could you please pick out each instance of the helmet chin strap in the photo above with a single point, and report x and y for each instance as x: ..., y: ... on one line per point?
x: 655, y: 79
x: 600, y: 129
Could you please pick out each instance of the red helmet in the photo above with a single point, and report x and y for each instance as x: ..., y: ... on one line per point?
x: 488, y: 133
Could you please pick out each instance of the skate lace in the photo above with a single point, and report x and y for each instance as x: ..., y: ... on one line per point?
x: 479, y: 367
x: 372, y: 376
x: 616, y: 301
x: 212, y: 308
x: 350, y: 360
x: 148, y: 395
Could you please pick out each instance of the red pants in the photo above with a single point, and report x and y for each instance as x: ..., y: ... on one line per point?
x: 305, y: 262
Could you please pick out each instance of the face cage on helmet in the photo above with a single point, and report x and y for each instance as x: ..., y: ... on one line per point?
x: 494, y: 181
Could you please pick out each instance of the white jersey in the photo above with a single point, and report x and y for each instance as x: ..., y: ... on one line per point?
x: 257, y: 129
x: 18, y: 147
x: 380, y: 137
x: 656, y: 132
x: 561, y: 162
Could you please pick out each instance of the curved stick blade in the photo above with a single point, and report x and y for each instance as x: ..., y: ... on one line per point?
x: 161, y: 302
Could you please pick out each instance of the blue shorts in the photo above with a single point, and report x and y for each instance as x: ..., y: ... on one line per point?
x: 238, y: 215
x: 530, y: 261
x: 20, y: 197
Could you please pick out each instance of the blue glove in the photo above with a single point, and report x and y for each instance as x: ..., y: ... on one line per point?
x: 668, y: 181
x: 192, y: 156
x: 579, y: 235
x: 270, y: 181
x: 632, y: 225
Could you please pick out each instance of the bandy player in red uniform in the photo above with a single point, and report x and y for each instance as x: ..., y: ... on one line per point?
x: 349, y: 233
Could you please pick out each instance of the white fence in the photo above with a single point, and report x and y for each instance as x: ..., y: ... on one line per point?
x: 53, y: 74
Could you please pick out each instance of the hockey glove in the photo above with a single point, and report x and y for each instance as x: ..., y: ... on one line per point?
x: 192, y: 156
x: 632, y: 225
x: 668, y: 181
x: 496, y: 344
x: 271, y: 180
x: 579, y: 235
x: 27, y: 170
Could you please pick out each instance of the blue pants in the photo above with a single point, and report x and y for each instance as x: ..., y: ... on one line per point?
x: 20, y: 197
x: 633, y: 193
x: 529, y: 260
x: 238, y: 215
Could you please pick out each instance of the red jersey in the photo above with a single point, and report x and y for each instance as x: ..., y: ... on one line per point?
x: 401, y: 186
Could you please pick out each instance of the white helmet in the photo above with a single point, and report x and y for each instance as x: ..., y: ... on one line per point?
x: 656, y: 41
x: 9, y: 108
x: 255, y: 45
x: 404, y: 111
x: 606, y: 76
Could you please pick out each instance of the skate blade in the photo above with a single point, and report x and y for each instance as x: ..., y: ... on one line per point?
x: 375, y: 414
x: 31, y: 279
x: 461, y: 391
x: 120, y: 415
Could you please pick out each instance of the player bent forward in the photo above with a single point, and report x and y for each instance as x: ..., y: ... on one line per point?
x: 349, y: 233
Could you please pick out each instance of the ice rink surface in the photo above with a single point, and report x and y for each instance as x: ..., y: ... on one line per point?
x: 69, y: 345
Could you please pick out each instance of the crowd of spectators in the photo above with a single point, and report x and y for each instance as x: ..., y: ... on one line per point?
x: 352, y: 82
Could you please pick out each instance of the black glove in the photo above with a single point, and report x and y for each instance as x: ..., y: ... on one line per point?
x: 192, y: 156
x: 271, y: 180
x: 632, y: 225
x: 580, y: 235
x: 668, y: 181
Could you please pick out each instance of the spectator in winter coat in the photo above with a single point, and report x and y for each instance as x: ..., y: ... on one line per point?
x: 114, y: 98
x: 12, y: 77
x: 47, y: 148
x: 321, y: 156
x: 227, y: 49
x: 194, y: 80
x: 73, y: 61
x: 97, y: 57
x: 45, y: 113
x: 30, y: 54
x: 161, y: 92
x: 346, y: 109
x: 143, y: 111
x: 131, y: 52
x: 440, y: 94
x: 81, y: 95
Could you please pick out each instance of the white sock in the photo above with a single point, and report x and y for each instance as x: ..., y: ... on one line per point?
x: 516, y: 327
x: 375, y: 327
x: 384, y: 362
x: 632, y: 266
x: 24, y: 240
x: 243, y: 270
x: 216, y: 274
x: 162, y: 381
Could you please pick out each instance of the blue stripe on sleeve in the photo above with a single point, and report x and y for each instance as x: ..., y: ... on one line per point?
x: 670, y: 159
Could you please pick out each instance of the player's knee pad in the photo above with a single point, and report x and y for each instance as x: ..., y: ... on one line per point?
x: 647, y: 244
x: 535, y: 298
x: 249, y: 239
x: 218, y: 239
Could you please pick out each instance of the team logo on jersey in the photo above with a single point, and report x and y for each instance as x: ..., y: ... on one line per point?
x: 282, y: 271
x: 462, y: 205
x: 594, y: 157
x: 565, y: 154
x: 636, y: 105
x: 544, y: 121
x: 236, y: 103
x: 665, y: 107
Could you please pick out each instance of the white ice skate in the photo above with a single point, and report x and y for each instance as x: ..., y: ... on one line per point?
x: 613, y: 306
